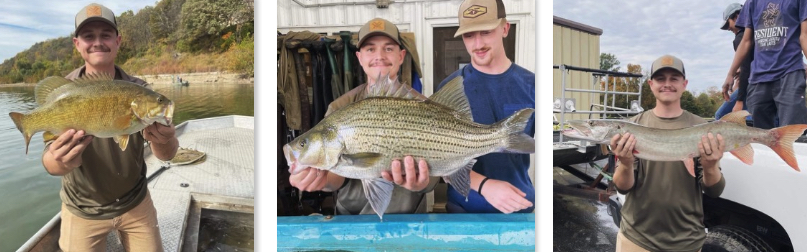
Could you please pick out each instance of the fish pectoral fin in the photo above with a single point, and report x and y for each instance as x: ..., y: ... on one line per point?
x: 690, y: 164
x: 49, y: 136
x: 378, y: 192
x: 745, y: 154
x: 461, y: 179
x: 122, y: 122
x: 123, y: 141
x: 364, y: 159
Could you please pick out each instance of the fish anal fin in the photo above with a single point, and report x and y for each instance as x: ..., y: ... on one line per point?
x: 783, y: 145
x: 379, y: 193
x: 48, y: 136
x: 737, y: 117
x: 364, y: 159
x: 461, y: 179
x: 452, y: 95
x: 123, y: 141
x: 690, y: 164
x: 745, y: 154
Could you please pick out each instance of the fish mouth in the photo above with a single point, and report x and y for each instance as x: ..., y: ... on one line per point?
x: 291, y: 160
x: 579, y: 130
x: 168, y: 113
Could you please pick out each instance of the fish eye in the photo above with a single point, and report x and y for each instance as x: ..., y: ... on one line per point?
x: 303, y: 142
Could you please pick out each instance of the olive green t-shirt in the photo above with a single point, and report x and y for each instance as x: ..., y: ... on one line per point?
x: 664, y: 209
x: 350, y: 198
x: 109, y: 181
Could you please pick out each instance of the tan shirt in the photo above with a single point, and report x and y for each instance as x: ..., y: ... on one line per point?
x: 350, y: 198
x: 109, y: 182
x: 664, y: 209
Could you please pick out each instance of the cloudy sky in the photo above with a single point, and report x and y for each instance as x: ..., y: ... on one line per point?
x: 638, y: 32
x: 24, y: 23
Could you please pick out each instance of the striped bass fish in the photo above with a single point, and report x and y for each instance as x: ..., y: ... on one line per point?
x: 361, y: 140
x: 682, y: 144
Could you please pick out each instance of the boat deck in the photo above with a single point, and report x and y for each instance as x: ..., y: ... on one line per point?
x: 228, y: 171
x: 225, y: 177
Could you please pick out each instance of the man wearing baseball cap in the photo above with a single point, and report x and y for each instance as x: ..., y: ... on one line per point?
x: 380, y: 55
x: 664, y: 199
x: 496, y: 88
x: 104, y: 188
x: 735, y: 101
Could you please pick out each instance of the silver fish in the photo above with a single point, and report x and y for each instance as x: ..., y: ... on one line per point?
x: 682, y: 144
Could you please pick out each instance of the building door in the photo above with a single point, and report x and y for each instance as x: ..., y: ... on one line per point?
x: 450, y: 53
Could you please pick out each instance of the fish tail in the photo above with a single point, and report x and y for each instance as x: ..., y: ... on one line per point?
x: 19, y: 121
x: 783, y: 143
x: 517, y: 141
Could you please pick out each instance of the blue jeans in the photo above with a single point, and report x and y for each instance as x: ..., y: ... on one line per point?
x: 727, y: 106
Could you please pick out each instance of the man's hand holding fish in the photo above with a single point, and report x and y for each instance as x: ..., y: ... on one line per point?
x: 65, y: 152
x: 163, y: 140
x: 711, y: 149
x: 419, y: 179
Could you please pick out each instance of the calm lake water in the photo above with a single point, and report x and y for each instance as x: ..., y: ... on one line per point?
x: 29, y: 197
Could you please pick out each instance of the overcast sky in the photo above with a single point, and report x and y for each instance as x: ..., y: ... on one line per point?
x: 638, y: 32
x: 24, y: 23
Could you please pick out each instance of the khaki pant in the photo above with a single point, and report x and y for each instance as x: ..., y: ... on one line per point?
x: 137, y: 229
x: 623, y: 244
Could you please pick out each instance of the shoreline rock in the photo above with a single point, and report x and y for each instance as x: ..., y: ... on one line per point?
x: 197, y: 78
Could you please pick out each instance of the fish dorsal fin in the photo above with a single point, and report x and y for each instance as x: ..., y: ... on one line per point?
x: 45, y: 87
x: 452, y: 95
x: 92, y: 78
x: 737, y: 117
x: 386, y: 87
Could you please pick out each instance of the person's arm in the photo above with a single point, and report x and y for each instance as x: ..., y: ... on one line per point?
x: 742, y: 51
x: 164, y: 143
x: 500, y: 194
x: 803, y: 37
x: 711, y: 150
x: 622, y: 146
x: 64, y: 154
x: 311, y: 180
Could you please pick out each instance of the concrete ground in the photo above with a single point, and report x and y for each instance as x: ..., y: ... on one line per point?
x: 580, y: 224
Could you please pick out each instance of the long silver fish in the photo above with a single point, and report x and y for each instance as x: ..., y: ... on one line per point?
x: 682, y: 144
x: 360, y: 140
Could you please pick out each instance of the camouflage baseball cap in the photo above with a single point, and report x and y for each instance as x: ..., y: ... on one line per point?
x: 378, y: 26
x: 480, y: 15
x: 94, y: 12
x: 667, y: 62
